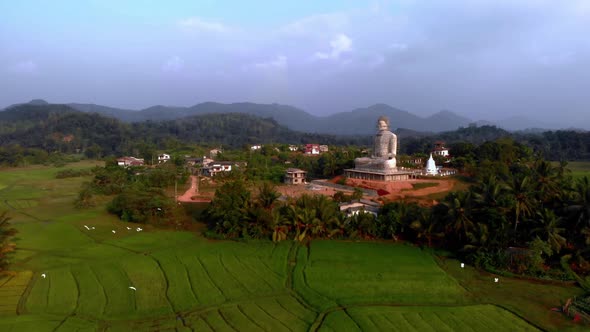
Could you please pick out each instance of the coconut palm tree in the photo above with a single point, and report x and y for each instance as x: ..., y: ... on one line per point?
x: 549, y: 229
x: 267, y: 195
x: 522, y: 191
x: 546, y: 179
x: 459, y: 214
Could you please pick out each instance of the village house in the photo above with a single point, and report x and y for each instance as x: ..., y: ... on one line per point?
x: 440, y: 149
x: 312, y: 149
x: 293, y: 148
x: 323, y: 148
x: 129, y: 161
x: 256, y: 147
x: 215, y: 167
x: 162, y: 158
x: 295, y: 176
x: 355, y: 207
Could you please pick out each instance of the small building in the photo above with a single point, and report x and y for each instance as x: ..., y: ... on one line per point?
x: 295, y: 176
x: 312, y: 149
x: 323, y: 148
x: 293, y: 148
x: 215, y: 167
x: 440, y: 149
x: 130, y: 161
x: 360, y: 206
x: 162, y: 158
x: 255, y: 147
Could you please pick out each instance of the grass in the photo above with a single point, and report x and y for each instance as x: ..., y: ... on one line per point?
x: 579, y: 169
x: 422, y: 185
x: 185, y: 282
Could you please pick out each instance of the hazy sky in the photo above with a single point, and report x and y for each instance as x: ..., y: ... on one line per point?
x: 486, y: 59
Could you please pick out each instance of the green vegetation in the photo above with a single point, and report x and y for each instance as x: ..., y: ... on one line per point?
x: 187, y: 282
x: 422, y: 185
x: 579, y: 169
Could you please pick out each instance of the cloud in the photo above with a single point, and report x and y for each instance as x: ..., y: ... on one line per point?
x: 279, y: 62
x: 174, y: 64
x: 397, y: 47
x: 312, y: 25
x: 24, y: 67
x: 340, y: 44
x: 199, y: 24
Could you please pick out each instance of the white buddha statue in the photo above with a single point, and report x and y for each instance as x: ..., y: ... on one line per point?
x: 384, y: 149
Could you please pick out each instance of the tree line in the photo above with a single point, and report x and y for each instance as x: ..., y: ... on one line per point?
x: 34, y: 133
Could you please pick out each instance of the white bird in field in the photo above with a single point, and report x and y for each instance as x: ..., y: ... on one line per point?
x: 131, y: 287
x: 462, y: 265
x: 113, y: 231
x: 92, y: 227
x: 88, y: 228
x: 496, y: 279
x: 43, y: 275
x: 139, y: 229
x: 128, y: 228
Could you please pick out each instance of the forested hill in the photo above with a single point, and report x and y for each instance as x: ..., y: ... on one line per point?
x: 61, y: 128
x: 54, y: 127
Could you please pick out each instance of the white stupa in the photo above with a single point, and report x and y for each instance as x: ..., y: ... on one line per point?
x: 431, y: 167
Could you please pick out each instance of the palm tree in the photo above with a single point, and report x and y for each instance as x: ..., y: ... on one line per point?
x: 458, y: 206
x: 267, y: 195
x: 522, y: 191
x: 490, y: 192
x: 549, y: 229
x: 279, y: 227
x: 546, y: 181
x: 580, y: 205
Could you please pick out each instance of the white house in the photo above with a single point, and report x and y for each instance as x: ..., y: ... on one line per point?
x: 162, y: 158
x: 312, y: 149
x: 216, y: 167
x: 129, y: 161
x: 293, y: 148
x: 360, y: 206
x: 256, y: 147
x: 440, y: 149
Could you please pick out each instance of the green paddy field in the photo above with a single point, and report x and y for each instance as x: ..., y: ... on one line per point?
x: 185, y: 282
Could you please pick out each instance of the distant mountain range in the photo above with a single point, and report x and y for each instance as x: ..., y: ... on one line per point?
x: 360, y: 121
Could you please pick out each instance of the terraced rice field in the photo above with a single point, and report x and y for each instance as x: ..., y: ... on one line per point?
x: 184, y: 282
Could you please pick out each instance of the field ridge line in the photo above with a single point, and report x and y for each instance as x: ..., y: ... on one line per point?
x: 225, y: 320
x: 21, y: 305
x: 249, y: 318
x: 104, y: 293
x: 232, y: 275
x: 247, y: 267
x: 77, y: 290
x: 211, y: 279
x: 188, y: 278
x: 271, y: 316
x: 165, y: 280
x: 517, y: 315
x: 134, y: 299
x: 7, y: 280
